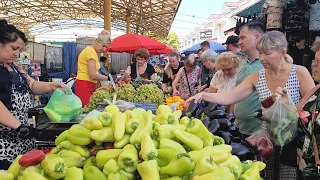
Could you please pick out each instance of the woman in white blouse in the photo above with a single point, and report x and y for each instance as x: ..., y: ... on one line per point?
x: 227, y: 64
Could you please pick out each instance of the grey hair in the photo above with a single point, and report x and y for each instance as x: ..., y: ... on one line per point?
x: 274, y: 41
x: 208, y: 54
x: 104, y: 37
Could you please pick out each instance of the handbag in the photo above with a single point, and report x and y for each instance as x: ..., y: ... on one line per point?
x: 185, y: 72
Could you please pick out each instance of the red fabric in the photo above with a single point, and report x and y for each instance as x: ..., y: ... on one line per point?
x: 84, y: 89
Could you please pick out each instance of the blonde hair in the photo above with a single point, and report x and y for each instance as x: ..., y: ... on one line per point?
x: 224, y: 60
x: 316, y: 44
x: 274, y: 41
x: 104, y: 37
x: 191, y: 61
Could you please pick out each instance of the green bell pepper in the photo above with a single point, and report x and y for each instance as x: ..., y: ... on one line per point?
x: 191, y: 140
x: 133, y: 122
x: 172, y: 119
x: 79, y: 135
x: 149, y: 170
x: 54, y: 167
x: 92, y: 123
x: 184, y: 120
x: 217, y: 140
x: 15, y: 167
x: 220, y: 150
x: 105, y: 134
x: 93, y: 172
x: 119, y: 125
x: 253, y: 173
x: 236, y: 169
x: 104, y: 156
x: 163, y: 109
x: 217, y: 174
x: 111, y: 167
x: 179, y: 166
x: 105, y: 118
x: 173, y: 178
x: 35, y: 176
x: 123, y: 142
x: 154, y: 125
x: 74, y: 161
x: 197, y: 128
x: 117, y: 176
x: 166, y: 130
x: 113, y: 109
x: 205, y: 165
x: 148, y: 150
x: 246, y: 165
x: 74, y: 173
x: 128, y: 159
x: 156, y: 143
x: 145, y: 126
x: 168, y: 143
x: 6, y: 176
x: 82, y: 150
x: 161, y: 118
x: 231, y: 159
x: 27, y: 171
x: 130, y: 176
x: 62, y: 137
x: 68, y: 154
x: 165, y: 155
x: 91, y: 161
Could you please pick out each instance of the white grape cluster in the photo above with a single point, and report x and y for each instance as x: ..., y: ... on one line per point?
x: 149, y: 93
x: 126, y: 92
x: 98, y: 96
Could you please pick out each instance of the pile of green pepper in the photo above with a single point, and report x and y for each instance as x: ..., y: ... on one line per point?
x: 164, y: 146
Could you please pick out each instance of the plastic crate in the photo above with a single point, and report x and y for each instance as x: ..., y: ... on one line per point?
x: 146, y: 106
x: 45, y: 146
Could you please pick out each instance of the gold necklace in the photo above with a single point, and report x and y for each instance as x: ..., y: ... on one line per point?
x: 273, y: 79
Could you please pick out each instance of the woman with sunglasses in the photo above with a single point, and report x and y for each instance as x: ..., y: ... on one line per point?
x: 89, y: 66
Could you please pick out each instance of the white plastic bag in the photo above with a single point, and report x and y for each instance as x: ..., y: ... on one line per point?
x: 283, y: 120
x: 93, y: 113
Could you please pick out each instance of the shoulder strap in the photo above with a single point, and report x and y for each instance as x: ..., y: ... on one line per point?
x: 305, y: 99
x: 185, y: 72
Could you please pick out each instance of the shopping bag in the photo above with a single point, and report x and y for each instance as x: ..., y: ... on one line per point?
x: 63, y: 106
x: 261, y: 140
x: 92, y: 114
x: 283, y: 120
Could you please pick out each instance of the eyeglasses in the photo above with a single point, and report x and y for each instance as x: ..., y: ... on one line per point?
x: 316, y: 61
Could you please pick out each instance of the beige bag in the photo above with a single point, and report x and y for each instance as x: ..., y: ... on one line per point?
x: 274, y: 13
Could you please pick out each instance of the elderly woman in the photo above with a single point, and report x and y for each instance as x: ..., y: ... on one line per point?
x: 89, y: 66
x: 224, y: 79
x: 278, y: 72
x: 188, y: 78
x: 141, y: 68
x: 309, y: 128
x: 208, y: 58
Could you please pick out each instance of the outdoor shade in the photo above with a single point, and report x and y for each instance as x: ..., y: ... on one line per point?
x: 129, y: 43
x: 215, y: 46
x: 167, y: 50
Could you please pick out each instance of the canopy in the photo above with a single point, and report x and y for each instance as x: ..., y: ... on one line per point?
x: 167, y: 50
x: 215, y: 46
x: 129, y: 43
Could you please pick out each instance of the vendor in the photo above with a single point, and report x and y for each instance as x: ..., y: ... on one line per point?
x: 171, y: 70
x: 188, y: 78
x: 16, y: 88
x: 144, y: 69
x: 89, y: 66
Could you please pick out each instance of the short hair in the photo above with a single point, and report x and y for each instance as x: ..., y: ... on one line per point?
x: 103, y: 59
x: 104, y: 37
x: 236, y: 45
x: 199, y: 51
x: 225, y: 59
x: 191, y: 61
x: 174, y: 54
x: 254, y: 26
x: 183, y: 58
x: 316, y: 44
x: 142, y: 52
x: 208, y: 54
x: 205, y: 43
x: 273, y: 41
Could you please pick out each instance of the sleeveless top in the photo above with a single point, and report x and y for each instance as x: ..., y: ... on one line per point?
x: 292, y: 85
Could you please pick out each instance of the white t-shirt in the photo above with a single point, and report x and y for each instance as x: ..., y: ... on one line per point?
x: 222, y: 82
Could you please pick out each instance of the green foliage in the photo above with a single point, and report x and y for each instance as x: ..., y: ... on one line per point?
x: 172, y: 40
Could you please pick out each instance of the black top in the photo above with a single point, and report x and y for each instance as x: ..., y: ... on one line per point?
x: 297, y: 54
x: 146, y: 75
x: 167, y: 79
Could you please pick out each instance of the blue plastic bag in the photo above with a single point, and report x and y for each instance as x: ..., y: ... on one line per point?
x: 63, y: 106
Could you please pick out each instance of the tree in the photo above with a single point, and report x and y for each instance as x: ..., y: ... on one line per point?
x: 172, y: 40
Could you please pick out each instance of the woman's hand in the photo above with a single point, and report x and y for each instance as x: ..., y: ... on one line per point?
x: 280, y: 92
x: 56, y: 85
x: 175, y: 93
x: 197, y: 98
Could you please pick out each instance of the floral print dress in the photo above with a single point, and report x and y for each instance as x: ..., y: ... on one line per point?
x: 193, y: 78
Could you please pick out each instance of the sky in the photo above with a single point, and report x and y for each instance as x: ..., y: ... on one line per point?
x: 192, y: 13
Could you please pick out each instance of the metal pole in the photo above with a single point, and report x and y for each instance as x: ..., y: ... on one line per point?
x: 107, y: 24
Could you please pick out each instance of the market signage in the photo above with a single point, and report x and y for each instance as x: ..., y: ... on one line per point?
x: 205, y: 34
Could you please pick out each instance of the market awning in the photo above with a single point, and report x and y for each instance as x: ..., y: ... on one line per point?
x: 152, y: 17
x: 251, y: 10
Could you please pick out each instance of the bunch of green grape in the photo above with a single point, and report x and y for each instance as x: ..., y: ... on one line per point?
x: 126, y: 92
x: 149, y: 93
x: 98, y: 96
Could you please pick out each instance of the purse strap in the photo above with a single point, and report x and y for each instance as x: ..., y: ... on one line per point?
x: 185, y: 72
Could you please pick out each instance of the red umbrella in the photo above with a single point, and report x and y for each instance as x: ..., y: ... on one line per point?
x: 167, y: 50
x: 129, y: 43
